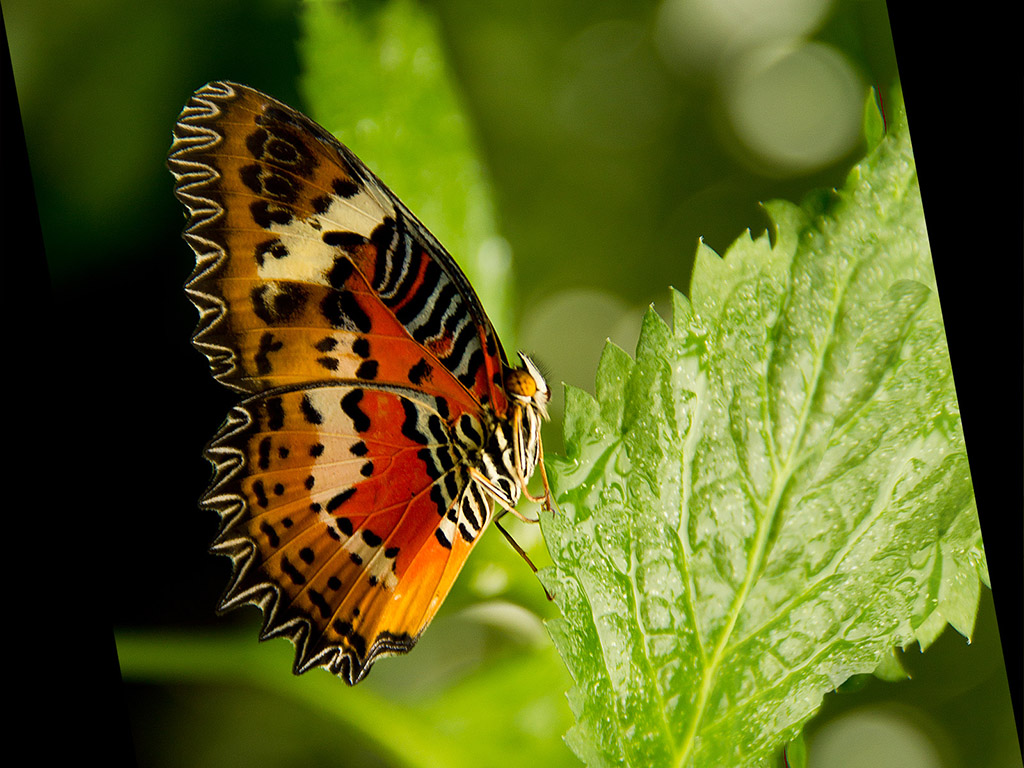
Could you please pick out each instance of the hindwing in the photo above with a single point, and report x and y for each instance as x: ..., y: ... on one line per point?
x: 348, y: 513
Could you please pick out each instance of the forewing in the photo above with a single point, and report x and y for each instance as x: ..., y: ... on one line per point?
x: 348, y: 513
x: 309, y: 268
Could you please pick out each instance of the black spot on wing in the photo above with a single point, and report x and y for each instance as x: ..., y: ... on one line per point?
x: 345, y: 188
x: 292, y: 572
x: 367, y: 370
x: 342, y: 310
x: 326, y: 344
x: 262, y: 357
x: 467, y: 512
x: 278, y: 302
x: 256, y: 142
x: 476, y: 360
x: 437, y: 496
x: 275, y: 413
x: 361, y: 347
x: 263, y: 461
x: 310, y: 413
x: 410, y: 425
x: 420, y: 371
x: 261, y: 494
x: 266, y: 214
x: 344, y: 239
x: 350, y: 405
x: 340, y: 499
x: 469, y: 430
x: 273, y: 247
x: 451, y: 485
x: 442, y: 407
x: 266, y: 182
x: 340, y: 271
x: 321, y: 605
x: 272, y: 538
x: 343, y: 628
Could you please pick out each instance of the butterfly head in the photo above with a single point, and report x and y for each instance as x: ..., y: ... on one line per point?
x: 526, y: 386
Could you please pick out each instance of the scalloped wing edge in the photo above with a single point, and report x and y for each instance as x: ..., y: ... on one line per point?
x: 231, y: 507
x: 192, y: 182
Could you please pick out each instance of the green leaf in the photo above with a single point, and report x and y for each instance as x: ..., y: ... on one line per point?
x: 796, y: 753
x: 773, y: 495
x: 874, y: 120
x: 399, y: 112
x: 891, y: 668
x: 456, y: 727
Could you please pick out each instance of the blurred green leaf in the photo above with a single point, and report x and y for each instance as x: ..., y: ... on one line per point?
x: 399, y: 112
x: 796, y: 753
x: 891, y: 668
x: 774, y: 494
x: 874, y: 120
x: 458, y: 726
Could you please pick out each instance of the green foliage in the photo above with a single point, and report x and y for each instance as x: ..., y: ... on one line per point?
x: 399, y: 112
x: 874, y: 121
x: 774, y: 494
x: 497, y: 717
x: 468, y: 695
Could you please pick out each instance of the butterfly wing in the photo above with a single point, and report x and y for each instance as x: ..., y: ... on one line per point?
x: 374, y: 374
x: 308, y: 267
x: 348, y: 515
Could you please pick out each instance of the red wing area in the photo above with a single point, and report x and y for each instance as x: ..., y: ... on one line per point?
x: 340, y: 509
x: 309, y: 269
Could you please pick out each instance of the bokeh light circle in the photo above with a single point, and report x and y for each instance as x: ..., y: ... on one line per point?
x: 699, y: 36
x: 794, y: 109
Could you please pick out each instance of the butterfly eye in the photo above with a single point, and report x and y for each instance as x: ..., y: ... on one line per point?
x: 519, y: 383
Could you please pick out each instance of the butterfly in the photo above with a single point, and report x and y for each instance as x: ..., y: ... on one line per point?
x: 382, y: 421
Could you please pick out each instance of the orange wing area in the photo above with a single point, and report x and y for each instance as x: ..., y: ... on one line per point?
x: 339, y: 506
x: 310, y: 269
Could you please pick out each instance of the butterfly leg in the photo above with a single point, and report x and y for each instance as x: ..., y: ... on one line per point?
x: 506, y: 506
x: 546, y: 501
x: 517, y: 548
x: 498, y: 495
x: 549, y: 500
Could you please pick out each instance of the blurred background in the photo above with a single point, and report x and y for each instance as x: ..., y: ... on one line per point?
x: 612, y: 135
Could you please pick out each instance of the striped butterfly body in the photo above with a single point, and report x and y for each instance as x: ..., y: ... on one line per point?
x: 382, y: 420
